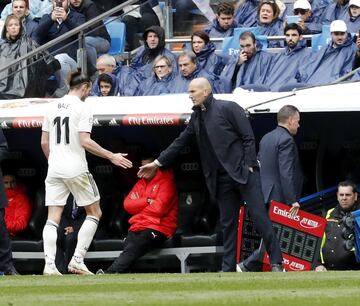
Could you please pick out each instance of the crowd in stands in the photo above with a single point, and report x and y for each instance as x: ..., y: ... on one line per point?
x: 255, y: 67
x: 156, y: 70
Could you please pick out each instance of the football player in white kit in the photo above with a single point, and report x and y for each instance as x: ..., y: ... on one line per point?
x: 65, y: 137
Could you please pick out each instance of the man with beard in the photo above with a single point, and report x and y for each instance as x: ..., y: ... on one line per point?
x: 252, y: 64
x: 285, y: 64
x: 331, y: 62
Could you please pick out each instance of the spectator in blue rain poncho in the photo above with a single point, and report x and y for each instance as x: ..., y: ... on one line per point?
x: 161, y: 81
x: 251, y: 65
x: 352, y: 19
x: 333, y: 61
x: 223, y: 25
x: 190, y: 69
x: 286, y: 63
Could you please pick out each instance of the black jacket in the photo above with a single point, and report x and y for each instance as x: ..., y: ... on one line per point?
x: 230, y: 134
x: 3, y: 155
x: 20, y: 80
x: 90, y: 11
x: 280, y: 170
x: 334, y: 255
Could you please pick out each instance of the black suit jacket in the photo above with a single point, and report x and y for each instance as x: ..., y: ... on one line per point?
x: 230, y: 135
x: 280, y: 170
x: 3, y: 155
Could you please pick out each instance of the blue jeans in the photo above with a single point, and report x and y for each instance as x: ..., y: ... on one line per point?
x: 95, y: 45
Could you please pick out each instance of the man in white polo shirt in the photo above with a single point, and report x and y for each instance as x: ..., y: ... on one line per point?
x: 65, y: 137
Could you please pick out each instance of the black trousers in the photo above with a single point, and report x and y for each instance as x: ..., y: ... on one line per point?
x: 229, y: 196
x: 137, y: 244
x: 65, y: 245
x: 5, y: 245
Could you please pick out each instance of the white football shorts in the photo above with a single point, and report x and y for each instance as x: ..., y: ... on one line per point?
x: 82, y: 187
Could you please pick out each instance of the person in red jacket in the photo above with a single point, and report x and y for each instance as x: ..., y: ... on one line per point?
x: 153, y: 204
x: 17, y: 214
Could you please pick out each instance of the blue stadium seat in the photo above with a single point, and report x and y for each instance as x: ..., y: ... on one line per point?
x: 321, y: 40
x: 117, y: 31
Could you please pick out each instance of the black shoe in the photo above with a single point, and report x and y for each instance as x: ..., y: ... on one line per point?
x: 241, y: 268
x: 277, y: 268
x: 12, y: 271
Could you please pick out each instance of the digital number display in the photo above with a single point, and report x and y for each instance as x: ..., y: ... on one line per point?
x: 299, y: 237
x: 296, y: 243
x: 250, y: 238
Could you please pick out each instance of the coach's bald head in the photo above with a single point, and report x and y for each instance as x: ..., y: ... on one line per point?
x: 199, y: 90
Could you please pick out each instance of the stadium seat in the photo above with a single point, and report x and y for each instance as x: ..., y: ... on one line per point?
x: 321, y: 40
x: 30, y: 240
x: 117, y: 31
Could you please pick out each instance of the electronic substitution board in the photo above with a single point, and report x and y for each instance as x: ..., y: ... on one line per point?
x: 299, y: 236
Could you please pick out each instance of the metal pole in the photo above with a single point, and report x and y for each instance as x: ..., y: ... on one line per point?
x: 67, y: 35
x: 169, y: 20
x: 81, y: 53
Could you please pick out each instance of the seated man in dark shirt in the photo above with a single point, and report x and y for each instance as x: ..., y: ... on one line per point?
x: 68, y: 229
x: 337, y: 248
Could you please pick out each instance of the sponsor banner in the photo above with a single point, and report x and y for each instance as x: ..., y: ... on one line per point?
x: 27, y: 122
x: 105, y: 120
x: 299, y: 237
x: 303, y: 221
x: 152, y: 119
x: 290, y: 263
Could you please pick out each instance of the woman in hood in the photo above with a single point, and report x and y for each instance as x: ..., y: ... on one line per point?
x: 22, y: 79
x: 205, y: 52
x: 154, y: 45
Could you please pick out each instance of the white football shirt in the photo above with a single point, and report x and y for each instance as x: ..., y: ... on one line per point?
x: 64, y: 120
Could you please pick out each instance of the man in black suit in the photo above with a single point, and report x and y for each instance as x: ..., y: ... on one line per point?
x: 280, y: 170
x: 227, y: 149
x: 6, y: 266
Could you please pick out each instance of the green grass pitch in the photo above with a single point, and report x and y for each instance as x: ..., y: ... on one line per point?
x: 302, y: 288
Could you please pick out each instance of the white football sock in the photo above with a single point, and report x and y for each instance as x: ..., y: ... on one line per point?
x: 50, y: 238
x: 85, y: 236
